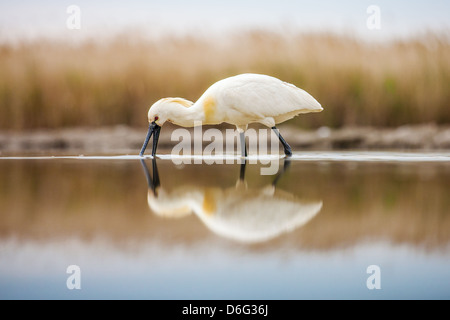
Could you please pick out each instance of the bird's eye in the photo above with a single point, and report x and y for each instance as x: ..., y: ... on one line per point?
x: 156, y: 118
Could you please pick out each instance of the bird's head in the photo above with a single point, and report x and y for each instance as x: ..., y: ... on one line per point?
x: 164, y: 110
x: 169, y: 205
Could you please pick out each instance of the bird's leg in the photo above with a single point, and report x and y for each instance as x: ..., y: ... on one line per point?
x: 242, y: 171
x: 287, y: 148
x: 241, y: 181
x: 243, y: 145
x: 287, y: 163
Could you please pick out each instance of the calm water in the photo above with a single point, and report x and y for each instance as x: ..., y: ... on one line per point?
x: 156, y: 230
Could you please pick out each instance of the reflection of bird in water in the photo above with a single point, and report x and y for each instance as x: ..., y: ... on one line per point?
x: 240, y: 213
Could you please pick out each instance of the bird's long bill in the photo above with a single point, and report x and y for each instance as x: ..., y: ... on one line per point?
x: 154, y: 130
x: 153, y: 183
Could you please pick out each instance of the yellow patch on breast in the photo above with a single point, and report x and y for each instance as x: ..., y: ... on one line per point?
x: 209, y: 203
x: 209, y: 108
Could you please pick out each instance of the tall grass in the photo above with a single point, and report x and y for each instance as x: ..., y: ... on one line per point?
x: 48, y: 84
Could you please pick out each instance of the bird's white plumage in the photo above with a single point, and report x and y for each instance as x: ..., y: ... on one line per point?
x: 255, y: 97
x: 238, y: 213
x: 238, y: 100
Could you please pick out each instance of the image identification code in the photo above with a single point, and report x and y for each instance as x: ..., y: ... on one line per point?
x: 239, y: 309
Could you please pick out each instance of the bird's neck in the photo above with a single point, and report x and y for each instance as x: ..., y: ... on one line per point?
x: 188, y: 116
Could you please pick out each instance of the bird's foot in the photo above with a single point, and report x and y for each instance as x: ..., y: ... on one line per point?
x: 288, y: 153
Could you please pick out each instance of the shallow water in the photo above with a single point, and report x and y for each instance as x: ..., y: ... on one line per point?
x: 144, y: 229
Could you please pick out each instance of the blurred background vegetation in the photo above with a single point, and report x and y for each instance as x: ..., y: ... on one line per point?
x: 51, y: 84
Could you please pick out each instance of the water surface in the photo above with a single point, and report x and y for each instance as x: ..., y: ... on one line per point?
x: 144, y: 229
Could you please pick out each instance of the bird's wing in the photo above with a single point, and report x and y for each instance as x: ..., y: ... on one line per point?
x: 259, y: 96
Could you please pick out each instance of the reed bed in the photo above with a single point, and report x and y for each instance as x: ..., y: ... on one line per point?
x: 51, y: 84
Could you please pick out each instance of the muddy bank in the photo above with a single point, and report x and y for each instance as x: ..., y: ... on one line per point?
x: 122, y: 139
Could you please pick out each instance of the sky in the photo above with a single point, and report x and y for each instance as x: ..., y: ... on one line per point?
x: 26, y: 19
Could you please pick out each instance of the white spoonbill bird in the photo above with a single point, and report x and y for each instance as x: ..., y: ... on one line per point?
x: 238, y: 100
